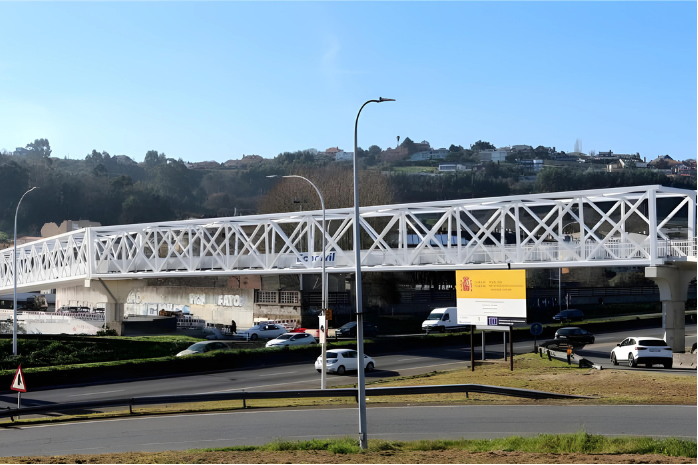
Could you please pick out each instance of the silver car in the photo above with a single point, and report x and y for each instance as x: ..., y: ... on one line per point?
x: 203, y: 347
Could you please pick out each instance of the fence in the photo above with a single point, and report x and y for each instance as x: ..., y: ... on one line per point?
x: 278, y: 297
x: 293, y: 394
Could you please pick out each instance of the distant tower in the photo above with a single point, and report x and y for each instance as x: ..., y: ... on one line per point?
x: 578, y: 145
x: 398, y: 142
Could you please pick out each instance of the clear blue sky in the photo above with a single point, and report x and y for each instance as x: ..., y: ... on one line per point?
x: 213, y: 81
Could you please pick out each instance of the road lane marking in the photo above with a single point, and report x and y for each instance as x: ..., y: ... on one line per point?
x: 95, y: 393
x: 407, y: 359
x: 253, y: 387
x: 276, y: 374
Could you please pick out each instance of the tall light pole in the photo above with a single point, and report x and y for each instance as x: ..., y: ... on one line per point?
x: 323, y: 376
x: 363, y: 439
x: 14, y: 272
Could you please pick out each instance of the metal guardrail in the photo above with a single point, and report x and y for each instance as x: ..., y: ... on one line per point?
x: 303, y: 393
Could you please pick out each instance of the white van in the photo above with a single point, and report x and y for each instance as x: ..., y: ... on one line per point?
x: 441, y: 319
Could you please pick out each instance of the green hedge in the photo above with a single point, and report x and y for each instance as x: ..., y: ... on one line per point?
x: 48, y: 351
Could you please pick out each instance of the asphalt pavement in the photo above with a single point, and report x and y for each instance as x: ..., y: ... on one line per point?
x: 304, y: 376
x: 250, y: 427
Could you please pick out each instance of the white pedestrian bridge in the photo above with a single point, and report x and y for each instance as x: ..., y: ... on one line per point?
x: 629, y: 226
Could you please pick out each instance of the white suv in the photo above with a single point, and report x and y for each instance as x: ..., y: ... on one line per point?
x: 262, y: 331
x: 342, y: 360
x: 643, y: 350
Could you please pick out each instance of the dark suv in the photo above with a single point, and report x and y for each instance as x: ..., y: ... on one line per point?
x: 349, y: 330
x: 575, y: 335
x: 569, y: 315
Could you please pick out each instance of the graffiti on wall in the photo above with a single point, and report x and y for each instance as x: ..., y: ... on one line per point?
x: 231, y: 300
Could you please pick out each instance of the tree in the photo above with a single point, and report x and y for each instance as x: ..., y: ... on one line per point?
x: 100, y: 170
x: 122, y: 182
x: 94, y: 157
x: 409, y: 145
x: 40, y: 148
x: 456, y: 148
x: 335, y: 184
x: 153, y: 158
x: 481, y: 145
x: 374, y: 150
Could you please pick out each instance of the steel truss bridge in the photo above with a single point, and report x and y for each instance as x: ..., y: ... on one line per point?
x: 631, y: 226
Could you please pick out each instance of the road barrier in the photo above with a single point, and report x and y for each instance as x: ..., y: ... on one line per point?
x: 685, y: 361
x: 292, y: 394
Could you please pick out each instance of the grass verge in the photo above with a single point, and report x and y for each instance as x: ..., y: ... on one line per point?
x: 580, y: 442
x: 580, y: 447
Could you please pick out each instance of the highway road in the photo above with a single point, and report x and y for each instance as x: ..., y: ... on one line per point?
x: 221, y: 429
x: 304, y: 376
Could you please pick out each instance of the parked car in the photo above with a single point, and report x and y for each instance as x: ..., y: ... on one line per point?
x: 203, y: 347
x: 569, y: 315
x: 349, y: 330
x: 263, y: 331
x: 342, y: 360
x: 643, y: 350
x: 292, y: 339
x: 575, y: 335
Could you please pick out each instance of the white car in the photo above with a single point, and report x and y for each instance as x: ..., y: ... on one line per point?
x: 342, y: 360
x: 265, y: 331
x: 292, y: 339
x: 643, y: 350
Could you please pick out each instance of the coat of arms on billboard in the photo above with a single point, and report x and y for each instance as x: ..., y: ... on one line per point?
x: 466, y: 284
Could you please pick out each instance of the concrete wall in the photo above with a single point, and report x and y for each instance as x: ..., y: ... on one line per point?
x: 218, y: 305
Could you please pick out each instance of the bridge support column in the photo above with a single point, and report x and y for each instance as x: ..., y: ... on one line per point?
x: 114, y: 311
x: 673, y: 283
x: 114, y: 316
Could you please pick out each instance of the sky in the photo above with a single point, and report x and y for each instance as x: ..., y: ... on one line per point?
x: 213, y: 81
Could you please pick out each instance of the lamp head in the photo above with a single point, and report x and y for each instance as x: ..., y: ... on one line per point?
x: 381, y: 99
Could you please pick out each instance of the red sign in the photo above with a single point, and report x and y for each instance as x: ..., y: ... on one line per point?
x: 18, y: 382
x: 466, y: 284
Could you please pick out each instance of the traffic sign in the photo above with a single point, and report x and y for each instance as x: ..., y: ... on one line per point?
x: 536, y: 329
x: 18, y: 382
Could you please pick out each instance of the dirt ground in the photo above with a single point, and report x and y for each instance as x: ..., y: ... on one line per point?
x: 448, y: 456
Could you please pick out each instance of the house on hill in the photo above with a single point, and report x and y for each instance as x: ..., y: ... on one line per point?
x: 624, y: 164
x: 493, y: 155
x: 124, y: 160
x: 52, y: 229
x: 438, y: 154
x: 203, y: 165
x: 245, y: 162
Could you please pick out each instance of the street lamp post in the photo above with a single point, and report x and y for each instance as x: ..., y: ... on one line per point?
x: 363, y: 439
x: 323, y: 376
x: 14, y: 272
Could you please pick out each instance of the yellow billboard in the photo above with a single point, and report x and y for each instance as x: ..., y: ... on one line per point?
x: 491, y: 297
